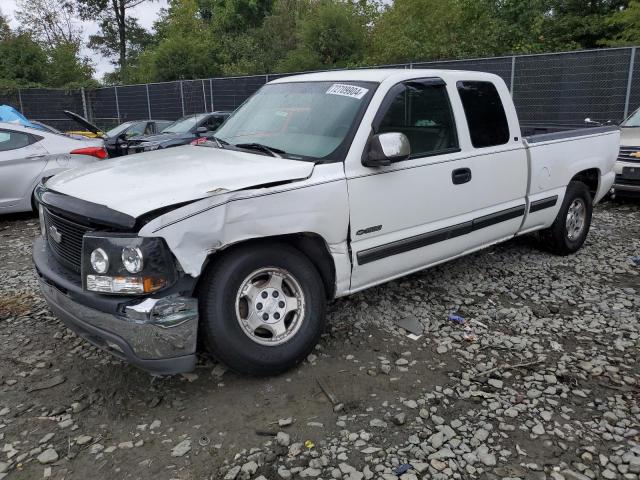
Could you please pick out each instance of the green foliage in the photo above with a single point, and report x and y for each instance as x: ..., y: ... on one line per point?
x: 331, y: 34
x: 5, y: 30
x: 203, y: 38
x: 65, y: 67
x: 187, y: 49
x: 627, y: 25
x: 22, y: 60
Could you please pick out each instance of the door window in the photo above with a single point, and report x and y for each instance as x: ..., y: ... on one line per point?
x: 483, y: 108
x: 213, y: 123
x: 421, y: 111
x: 10, y: 140
x: 137, y: 129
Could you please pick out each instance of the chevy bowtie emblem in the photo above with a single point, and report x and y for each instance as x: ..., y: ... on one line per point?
x: 55, y: 234
x: 635, y: 154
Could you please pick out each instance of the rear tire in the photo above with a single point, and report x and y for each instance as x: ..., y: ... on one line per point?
x: 262, y: 308
x: 569, y: 230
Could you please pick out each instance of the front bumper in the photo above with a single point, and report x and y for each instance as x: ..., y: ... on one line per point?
x: 156, y: 334
x: 624, y: 183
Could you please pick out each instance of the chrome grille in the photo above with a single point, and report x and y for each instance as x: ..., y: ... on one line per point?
x: 65, y: 239
x: 626, y: 152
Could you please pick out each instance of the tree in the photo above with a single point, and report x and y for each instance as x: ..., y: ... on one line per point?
x: 5, y: 29
x: 573, y: 24
x: 66, y: 67
x: 187, y: 48
x: 120, y: 35
x: 22, y: 60
x: 51, y: 22
x: 431, y: 29
x: 234, y: 15
x: 627, y: 24
x: 331, y: 34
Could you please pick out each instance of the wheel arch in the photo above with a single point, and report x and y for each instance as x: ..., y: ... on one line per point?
x: 591, y: 178
x: 312, y: 245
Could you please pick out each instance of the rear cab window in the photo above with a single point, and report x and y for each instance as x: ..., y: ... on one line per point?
x: 486, y: 118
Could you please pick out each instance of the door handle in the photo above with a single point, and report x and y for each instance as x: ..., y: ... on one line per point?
x: 460, y: 176
x: 32, y: 157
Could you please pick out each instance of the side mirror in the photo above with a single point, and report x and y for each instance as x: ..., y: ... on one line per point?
x: 201, y: 130
x: 385, y: 148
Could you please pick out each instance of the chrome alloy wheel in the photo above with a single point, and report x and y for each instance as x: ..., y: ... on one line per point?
x: 270, y: 306
x: 576, y: 218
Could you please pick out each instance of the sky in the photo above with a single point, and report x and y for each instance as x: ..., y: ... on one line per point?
x: 146, y: 14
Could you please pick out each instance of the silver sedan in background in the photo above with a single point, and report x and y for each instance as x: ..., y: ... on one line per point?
x: 28, y: 155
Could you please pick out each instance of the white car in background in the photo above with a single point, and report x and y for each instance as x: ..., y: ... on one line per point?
x: 28, y: 155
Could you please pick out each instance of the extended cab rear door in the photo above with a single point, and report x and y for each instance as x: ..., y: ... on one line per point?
x: 462, y: 188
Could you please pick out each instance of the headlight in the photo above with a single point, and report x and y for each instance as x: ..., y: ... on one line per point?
x: 99, y: 261
x: 132, y: 259
x: 126, y: 264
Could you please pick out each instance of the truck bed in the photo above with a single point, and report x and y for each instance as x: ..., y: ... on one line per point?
x: 544, y: 133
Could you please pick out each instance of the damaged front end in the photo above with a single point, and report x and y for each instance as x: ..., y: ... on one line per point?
x: 121, y: 292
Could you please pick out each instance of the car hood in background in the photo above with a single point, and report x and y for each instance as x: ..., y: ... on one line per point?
x: 83, y: 121
x: 630, y: 136
x: 138, y: 184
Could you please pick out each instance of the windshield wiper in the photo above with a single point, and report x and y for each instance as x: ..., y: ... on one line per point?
x: 220, y: 142
x: 274, y: 152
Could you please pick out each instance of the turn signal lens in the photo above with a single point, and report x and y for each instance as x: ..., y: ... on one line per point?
x: 124, y: 285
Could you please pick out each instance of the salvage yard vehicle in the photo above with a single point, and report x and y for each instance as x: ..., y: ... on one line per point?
x: 238, y: 243
x: 115, y: 140
x: 181, y: 132
x: 627, y: 167
x: 28, y: 154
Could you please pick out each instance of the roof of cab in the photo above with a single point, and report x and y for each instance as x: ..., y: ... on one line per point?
x: 380, y: 74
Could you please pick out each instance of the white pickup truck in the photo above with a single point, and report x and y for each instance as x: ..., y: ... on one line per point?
x: 318, y: 186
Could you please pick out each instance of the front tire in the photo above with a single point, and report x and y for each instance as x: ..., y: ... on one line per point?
x: 569, y: 231
x: 262, y: 308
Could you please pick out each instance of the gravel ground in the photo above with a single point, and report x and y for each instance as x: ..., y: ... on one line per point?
x: 542, y: 381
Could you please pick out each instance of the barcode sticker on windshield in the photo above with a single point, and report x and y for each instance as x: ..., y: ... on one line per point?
x: 347, y: 90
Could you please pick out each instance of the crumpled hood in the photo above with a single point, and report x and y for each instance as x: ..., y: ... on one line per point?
x: 137, y: 184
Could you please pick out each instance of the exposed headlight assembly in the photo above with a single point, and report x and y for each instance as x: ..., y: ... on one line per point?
x: 125, y: 264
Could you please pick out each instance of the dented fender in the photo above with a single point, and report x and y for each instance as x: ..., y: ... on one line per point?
x: 318, y: 205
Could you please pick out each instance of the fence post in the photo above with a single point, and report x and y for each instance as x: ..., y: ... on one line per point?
x: 513, y: 74
x: 20, y: 101
x: 204, y: 96
x: 632, y: 64
x: 211, y: 90
x: 115, y: 90
x: 410, y: 65
x: 84, y: 104
x: 148, y: 102
x: 182, y: 97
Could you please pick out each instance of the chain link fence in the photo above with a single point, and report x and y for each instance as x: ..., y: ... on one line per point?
x: 552, y: 89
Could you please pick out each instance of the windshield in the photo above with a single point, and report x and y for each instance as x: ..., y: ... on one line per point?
x: 114, y: 132
x: 305, y: 119
x: 184, y: 124
x: 633, y: 120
